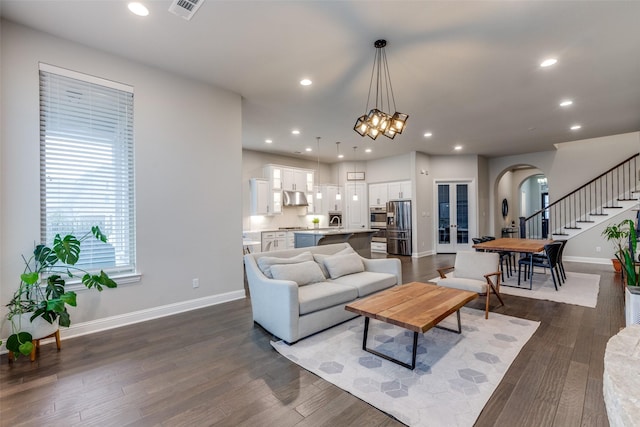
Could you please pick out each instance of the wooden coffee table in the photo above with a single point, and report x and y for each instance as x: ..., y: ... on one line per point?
x: 415, y: 306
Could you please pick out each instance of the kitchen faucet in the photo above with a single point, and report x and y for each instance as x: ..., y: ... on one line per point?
x: 339, y: 221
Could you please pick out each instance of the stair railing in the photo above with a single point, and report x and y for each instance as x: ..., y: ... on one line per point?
x: 577, y: 207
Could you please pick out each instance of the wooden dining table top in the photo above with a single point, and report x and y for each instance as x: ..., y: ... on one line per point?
x: 514, y: 244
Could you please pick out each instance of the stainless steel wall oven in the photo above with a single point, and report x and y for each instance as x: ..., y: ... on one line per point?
x: 378, y: 222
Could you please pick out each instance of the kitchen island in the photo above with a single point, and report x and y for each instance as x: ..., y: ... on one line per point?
x: 358, y: 238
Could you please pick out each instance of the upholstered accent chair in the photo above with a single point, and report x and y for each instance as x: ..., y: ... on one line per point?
x: 474, y: 271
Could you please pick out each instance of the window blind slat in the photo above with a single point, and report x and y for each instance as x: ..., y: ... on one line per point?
x: 86, y: 166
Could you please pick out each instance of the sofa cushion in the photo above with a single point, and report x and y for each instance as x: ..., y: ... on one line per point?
x: 367, y: 282
x: 473, y: 285
x: 319, y: 258
x: 318, y: 296
x: 302, y: 273
x: 266, y: 262
x: 340, y: 265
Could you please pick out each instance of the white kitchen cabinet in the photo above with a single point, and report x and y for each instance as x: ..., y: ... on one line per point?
x: 274, y: 241
x: 260, y: 197
x: 291, y: 239
x: 286, y: 178
x: 294, y: 179
x: 274, y: 174
x: 356, y: 214
x: 276, y: 202
x: 379, y: 247
x: 329, y: 202
x: 378, y: 194
x: 399, y: 190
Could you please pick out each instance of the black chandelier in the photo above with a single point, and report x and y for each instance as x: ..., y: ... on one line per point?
x: 378, y: 122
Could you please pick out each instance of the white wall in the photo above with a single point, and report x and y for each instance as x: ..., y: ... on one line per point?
x: 588, y: 158
x: 397, y: 168
x: 423, y: 219
x: 188, y: 177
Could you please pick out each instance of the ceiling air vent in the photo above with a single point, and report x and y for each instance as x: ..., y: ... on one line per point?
x: 185, y: 8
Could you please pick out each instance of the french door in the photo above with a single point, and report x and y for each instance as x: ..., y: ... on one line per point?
x: 455, y: 216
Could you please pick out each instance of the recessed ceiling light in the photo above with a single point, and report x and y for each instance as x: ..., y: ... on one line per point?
x: 138, y: 9
x: 576, y: 127
x: 548, y: 62
x: 458, y: 147
x: 305, y: 82
x: 566, y: 103
x: 295, y: 132
x: 268, y: 141
x: 368, y: 150
x: 428, y: 135
x: 308, y: 149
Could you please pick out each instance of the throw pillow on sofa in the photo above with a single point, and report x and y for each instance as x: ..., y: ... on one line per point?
x: 321, y: 257
x: 341, y: 265
x: 303, y: 273
x: 265, y: 263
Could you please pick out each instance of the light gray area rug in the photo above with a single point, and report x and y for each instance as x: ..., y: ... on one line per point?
x: 454, y: 377
x: 579, y: 288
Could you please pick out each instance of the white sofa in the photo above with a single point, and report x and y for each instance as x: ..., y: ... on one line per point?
x: 290, y: 308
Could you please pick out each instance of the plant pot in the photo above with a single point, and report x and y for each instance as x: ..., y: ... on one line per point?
x: 617, y: 265
x: 316, y: 225
x: 632, y: 305
x: 39, y: 328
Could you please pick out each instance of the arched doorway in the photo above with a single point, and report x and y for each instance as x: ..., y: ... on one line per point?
x: 519, y: 188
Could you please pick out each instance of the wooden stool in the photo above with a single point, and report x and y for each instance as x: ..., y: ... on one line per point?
x: 36, y: 346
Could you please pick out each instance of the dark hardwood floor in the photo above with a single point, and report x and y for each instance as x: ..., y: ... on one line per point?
x: 213, y: 366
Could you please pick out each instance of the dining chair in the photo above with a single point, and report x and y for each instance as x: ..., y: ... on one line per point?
x: 548, y: 260
x: 506, y: 259
x: 560, y: 273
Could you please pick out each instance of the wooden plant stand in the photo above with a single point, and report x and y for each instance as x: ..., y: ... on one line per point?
x: 36, y: 346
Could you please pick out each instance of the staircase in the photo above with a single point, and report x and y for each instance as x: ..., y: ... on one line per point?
x: 609, y: 194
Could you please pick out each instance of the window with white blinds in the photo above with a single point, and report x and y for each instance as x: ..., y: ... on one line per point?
x: 86, y: 166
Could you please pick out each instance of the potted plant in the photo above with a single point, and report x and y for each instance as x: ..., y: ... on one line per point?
x: 628, y: 258
x: 41, y: 295
x: 316, y: 222
x: 618, y: 235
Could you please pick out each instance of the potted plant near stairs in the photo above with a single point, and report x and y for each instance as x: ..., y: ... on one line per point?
x: 628, y: 258
x: 618, y: 235
x: 39, y: 305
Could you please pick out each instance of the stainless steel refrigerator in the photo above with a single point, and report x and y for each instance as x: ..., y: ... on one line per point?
x: 399, y: 227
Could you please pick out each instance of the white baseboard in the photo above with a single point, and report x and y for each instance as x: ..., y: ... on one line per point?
x: 587, y: 260
x: 422, y: 254
x: 93, y: 326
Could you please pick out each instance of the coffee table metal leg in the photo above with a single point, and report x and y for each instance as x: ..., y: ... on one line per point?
x: 414, y: 351
x: 459, y: 331
x: 384, y: 356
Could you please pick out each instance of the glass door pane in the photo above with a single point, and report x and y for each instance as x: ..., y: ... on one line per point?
x: 444, y: 214
x: 462, y: 213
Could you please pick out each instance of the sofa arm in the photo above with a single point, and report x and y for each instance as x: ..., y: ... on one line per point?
x: 274, y: 303
x: 384, y: 265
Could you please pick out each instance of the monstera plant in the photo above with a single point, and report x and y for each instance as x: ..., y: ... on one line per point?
x: 42, y: 292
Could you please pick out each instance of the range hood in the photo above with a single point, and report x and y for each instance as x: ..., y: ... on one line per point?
x: 294, y: 198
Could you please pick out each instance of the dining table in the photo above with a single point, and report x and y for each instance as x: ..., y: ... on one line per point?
x: 515, y: 244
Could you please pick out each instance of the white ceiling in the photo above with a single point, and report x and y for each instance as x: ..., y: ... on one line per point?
x: 465, y: 70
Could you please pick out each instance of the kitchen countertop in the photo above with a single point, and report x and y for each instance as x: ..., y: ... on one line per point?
x: 328, y: 231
